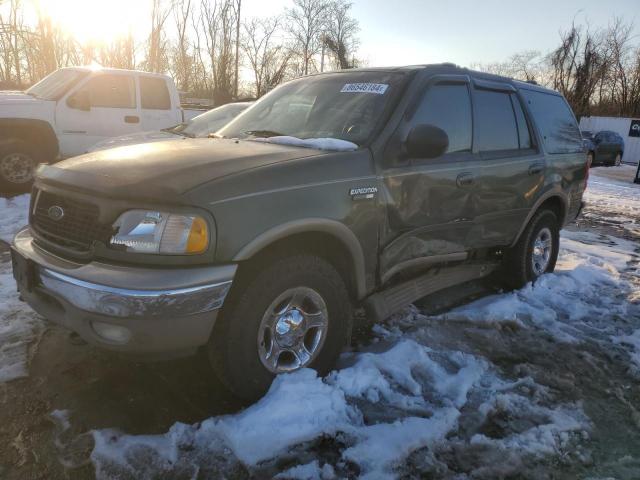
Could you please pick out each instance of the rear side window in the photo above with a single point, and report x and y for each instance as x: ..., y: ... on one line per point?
x: 448, y: 106
x: 112, y: 91
x: 154, y: 94
x: 496, y: 122
x: 556, y: 122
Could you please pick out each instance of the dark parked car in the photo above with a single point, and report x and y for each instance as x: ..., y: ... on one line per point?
x: 603, y: 148
x: 370, y: 187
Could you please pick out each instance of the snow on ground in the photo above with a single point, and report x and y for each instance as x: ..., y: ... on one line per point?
x: 423, y: 396
x: 411, y: 402
x: 14, y: 214
x: 19, y: 326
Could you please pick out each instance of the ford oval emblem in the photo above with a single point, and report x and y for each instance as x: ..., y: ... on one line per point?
x: 55, y: 212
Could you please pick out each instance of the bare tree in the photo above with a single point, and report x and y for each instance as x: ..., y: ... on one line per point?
x: 340, y: 35
x: 182, y: 58
x: 268, y: 60
x: 306, y: 22
x: 578, y: 66
x: 156, y: 50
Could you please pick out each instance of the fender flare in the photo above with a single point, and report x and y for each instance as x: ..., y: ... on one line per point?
x: 543, y: 198
x: 338, y: 230
x: 36, y: 132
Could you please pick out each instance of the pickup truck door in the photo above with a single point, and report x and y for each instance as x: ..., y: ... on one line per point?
x: 158, y: 109
x: 103, y: 106
x: 431, y: 203
x: 512, y: 174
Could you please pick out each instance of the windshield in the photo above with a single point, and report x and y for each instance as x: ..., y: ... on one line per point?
x: 56, y: 84
x: 210, y: 121
x: 344, y: 106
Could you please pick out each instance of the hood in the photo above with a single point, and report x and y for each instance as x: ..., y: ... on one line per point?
x: 11, y: 97
x: 134, y: 138
x: 164, y: 170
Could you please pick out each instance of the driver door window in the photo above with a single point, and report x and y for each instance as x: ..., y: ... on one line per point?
x: 113, y: 111
x: 448, y: 106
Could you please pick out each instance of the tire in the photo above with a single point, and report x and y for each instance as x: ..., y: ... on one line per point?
x: 243, y: 336
x: 18, y: 162
x: 618, y: 160
x: 519, y: 267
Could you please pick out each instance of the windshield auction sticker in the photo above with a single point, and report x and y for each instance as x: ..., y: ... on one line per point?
x: 377, y: 88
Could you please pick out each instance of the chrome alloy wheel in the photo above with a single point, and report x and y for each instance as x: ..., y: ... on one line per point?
x: 17, y: 168
x: 293, y: 330
x: 542, y: 247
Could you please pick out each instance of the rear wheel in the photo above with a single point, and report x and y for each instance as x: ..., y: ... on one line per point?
x: 294, y: 313
x: 536, y: 251
x: 618, y: 160
x: 18, y: 164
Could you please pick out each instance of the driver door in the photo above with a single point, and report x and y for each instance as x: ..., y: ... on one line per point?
x: 104, y: 106
x: 431, y: 203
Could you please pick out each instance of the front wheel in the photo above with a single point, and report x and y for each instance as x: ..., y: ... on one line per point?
x: 18, y: 164
x: 536, y: 251
x: 294, y: 313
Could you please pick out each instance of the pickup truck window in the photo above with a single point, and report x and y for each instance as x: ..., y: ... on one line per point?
x: 556, y: 122
x: 112, y: 91
x: 347, y: 106
x: 496, y: 121
x: 448, y: 106
x: 154, y: 94
x: 56, y: 84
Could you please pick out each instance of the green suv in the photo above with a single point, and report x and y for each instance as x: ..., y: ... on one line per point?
x: 371, y: 187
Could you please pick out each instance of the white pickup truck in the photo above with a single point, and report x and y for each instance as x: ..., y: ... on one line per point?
x: 72, y: 109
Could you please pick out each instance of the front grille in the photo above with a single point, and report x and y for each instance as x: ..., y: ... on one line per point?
x: 76, y: 230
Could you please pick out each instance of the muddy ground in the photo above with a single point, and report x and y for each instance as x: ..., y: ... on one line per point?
x: 101, y: 390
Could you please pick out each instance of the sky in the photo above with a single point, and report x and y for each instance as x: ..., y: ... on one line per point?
x: 398, y: 32
x: 394, y: 32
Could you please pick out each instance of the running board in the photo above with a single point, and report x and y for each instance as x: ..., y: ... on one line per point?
x: 382, y: 305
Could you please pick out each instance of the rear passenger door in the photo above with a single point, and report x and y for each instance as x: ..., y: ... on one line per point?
x: 155, y: 102
x: 512, y: 167
x: 431, y: 202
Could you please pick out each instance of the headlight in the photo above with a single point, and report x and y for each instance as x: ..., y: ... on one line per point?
x: 144, y: 231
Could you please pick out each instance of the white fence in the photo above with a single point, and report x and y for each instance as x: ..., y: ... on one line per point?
x: 624, y: 127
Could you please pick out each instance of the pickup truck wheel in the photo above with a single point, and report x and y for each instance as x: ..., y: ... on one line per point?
x: 536, y: 251
x: 18, y: 164
x: 293, y: 314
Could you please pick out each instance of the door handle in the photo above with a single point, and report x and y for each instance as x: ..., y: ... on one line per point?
x: 536, y: 168
x: 465, y: 179
x: 131, y: 119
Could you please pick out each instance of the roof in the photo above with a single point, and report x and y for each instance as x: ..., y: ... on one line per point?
x: 98, y: 68
x: 451, y: 68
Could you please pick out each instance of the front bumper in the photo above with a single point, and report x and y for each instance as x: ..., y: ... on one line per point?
x: 156, y: 310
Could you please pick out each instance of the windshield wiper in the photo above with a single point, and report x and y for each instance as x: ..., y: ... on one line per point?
x: 264, y: 133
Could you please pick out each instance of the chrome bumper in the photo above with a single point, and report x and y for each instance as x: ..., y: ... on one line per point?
x: 159, y: 311
x: 125, y: 303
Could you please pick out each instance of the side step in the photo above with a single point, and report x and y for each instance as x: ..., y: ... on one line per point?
x: 382, y: 305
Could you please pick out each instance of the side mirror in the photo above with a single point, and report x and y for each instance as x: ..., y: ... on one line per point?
x: 80, y: 101
x: 426, y: 141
